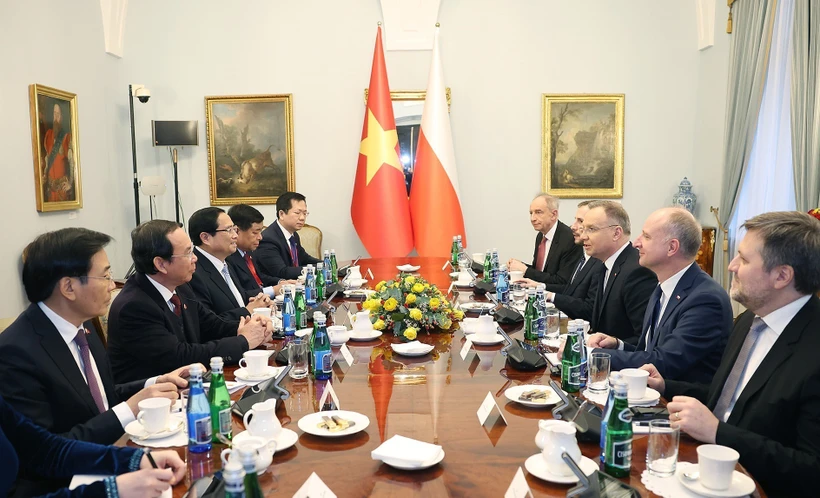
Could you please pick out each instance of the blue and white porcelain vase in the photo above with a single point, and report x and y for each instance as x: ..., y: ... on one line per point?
x: 685, y: 198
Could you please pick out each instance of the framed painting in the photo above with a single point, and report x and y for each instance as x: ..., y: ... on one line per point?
x: 55, y: 139
x: 250, y: 148
x: 583, y: 146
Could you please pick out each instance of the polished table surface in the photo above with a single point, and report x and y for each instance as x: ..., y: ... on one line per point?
x: 432, y: 398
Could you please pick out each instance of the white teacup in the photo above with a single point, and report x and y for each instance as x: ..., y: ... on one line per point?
x: 716, y: 465
x: 264, y: 452
x: 337, y: 333
x: 154, y: 414
x: 464, y: 277
x: 635, y: 379
x: 262, y: 311
x: 355, y: 283
x: 290, y: 287
x: 516, y: 275
x: 254, y: 361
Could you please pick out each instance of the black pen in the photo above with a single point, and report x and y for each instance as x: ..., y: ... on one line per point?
x: 151, y: 459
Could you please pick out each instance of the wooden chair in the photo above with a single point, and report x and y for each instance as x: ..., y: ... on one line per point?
x: 5, y: 322
x: 311, y: 240
x: 101, y: 322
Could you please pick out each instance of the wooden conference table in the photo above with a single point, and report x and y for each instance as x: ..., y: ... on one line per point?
x: 434, y: 399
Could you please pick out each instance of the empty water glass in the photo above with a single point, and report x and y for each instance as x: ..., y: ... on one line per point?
x: 298, y: 358
x: 553, y: 324
x: 662, y: 448
x: 599, y: 364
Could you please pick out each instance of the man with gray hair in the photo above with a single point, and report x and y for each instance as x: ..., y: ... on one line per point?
x: 556, y: 255
x: 689, y: 316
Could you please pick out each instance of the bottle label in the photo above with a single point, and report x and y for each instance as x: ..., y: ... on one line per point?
x: 622, y: 454
x: 576, y: 347
x: 540, y: 326
x: 625, y: 416
x: 225, y: 421
x: 573, y: 375
x: 504, y: 296
x: 302, y: 320
x: 288, y: 323
x: 201, y: 433
x: 323, y: 361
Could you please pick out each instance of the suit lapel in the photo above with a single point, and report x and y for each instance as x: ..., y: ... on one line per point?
x: 153, y: 293
x: 216, y: 277
x: 647, y: 320
x: 743, y: 323
x: 241, y: 266
x: 277, y: 232
x: 679, y: 294
x: 579, y: 277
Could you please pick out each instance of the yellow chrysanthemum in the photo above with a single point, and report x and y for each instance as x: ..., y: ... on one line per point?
x: 379, y: 325
x: 410, y: 299
x: 380, y: 286
x: 435, y: 303
x: 458, y: 314
x: 446, y: 324
x: 410, y: 333
x: 426, y: 286
x: 395, y: 285
x: 390, y: 304
x: 418, y: 288
x: 415, y: 314
x: 410, y: 279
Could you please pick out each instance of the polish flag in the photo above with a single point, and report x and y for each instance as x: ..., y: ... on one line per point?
x: 435, y: 206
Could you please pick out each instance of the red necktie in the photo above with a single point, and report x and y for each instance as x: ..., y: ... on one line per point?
x: 542, y: 254
x: 252, y: 268
x: 177, y: 305
x: 93, y: 383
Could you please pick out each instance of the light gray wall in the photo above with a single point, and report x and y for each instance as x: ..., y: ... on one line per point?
x: 499, y: 57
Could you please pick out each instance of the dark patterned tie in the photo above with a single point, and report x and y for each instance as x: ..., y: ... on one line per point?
x: 177, y: 305
x: 294, y: 252
x: 91, y: 378
x: 657, y: 296
x: 733, y: 380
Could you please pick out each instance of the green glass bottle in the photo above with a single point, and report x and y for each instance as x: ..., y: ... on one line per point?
x: 320, y: 282
x: 219, y: 400
x: 454, y: 253
x: 248, y: 458
x: 571, y: 362
x: 488, y: 266
x: 334, y: 267
x: 530, y: 318
x: 301, y: 307
x: 618, y: 446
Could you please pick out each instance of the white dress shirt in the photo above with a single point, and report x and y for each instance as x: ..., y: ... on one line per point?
x: 548, y: 244
x: 776, y: 322
x: 267, y: 290
x: 610, y: 261
x: 220, y: 266
x: 68, y: 332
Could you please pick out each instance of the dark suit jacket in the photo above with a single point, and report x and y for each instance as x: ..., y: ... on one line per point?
x: 577, y: 298
x: 775, y: 423
x: 561, y: 259
x: 620, y: 307
x: 241, y: 273
x: 273, y: 254
x: 691, y: 336
x: 146, y: 338
x: 43, y: 382
x: 213, y: 293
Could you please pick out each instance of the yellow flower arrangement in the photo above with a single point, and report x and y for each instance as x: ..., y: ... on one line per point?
x: 408, y: 305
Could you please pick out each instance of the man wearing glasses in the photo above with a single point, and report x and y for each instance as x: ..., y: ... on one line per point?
x: 280, y: 253
x: 157, y: 323
x: 214, y: 236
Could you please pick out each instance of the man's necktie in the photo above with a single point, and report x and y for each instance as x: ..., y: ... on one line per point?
x: 177, y: 305
x: 542, y: 254
x: 657, y: 296
x: 578, y: 269
x: 93, y: 383
x: 252, y: 268
x: 733, y: 380
x: 294, y: 253
x: 226, y: 275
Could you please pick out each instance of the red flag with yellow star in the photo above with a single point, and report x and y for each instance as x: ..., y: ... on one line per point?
x: 380, y: 209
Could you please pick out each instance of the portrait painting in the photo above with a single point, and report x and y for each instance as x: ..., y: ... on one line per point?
x: 250, y: 148
x: 55, y: 142
x: 583, y: 145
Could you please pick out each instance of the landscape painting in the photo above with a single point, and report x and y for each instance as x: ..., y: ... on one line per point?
x: 250, y: 148
x: 583, y: 142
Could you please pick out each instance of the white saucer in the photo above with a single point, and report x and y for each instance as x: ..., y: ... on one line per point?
x: 513, y: 393
x: 243, y: 375
x: 303, y: 332
x: 176, y: 423
x: 284, y: 440
x: 408, y: 268
x: 359, y: 293
x: 354, y: 336
x: 422, y: 466
x: 536, y: 466
x: 482, y: 340
x: 309, y: 423
x: 422, y: 350
x: 463, y: 285
x: 476, y: 307
x: 454, y: 274
x: 742, y: 484
x: 650, y: 397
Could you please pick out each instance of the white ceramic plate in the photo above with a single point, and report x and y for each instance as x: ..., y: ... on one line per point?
x: 309, y: 423
x: 402, y: 350
x: 425, y: 465
x: 367, y: 336
x: 463, y: 285
x: 475, y: 307
x: 408, y: 268
x: 359, y: 292
x: 176, y: 422
x: 513, y: 393
x: 487, y: 341
x: 243, y: 374
x: 742, y: 484
x: 284, y: 440
x: 536, y: 466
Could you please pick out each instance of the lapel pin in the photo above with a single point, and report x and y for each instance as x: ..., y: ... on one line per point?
x: 677, y: 297
x: 185, y: 306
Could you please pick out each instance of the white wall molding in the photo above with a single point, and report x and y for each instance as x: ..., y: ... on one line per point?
x: 113, y: 18
x: 705, y: 11
x: 409, y: 24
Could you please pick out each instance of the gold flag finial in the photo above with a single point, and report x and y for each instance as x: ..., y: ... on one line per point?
x: 729, y: 21
x: 438, y: 24
x: 379, y: 23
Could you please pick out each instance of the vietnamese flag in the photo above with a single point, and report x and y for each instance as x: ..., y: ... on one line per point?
x: 434, y: 199
x: 380, y: 209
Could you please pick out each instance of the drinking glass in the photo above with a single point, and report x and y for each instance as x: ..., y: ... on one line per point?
x: 553, y: 324
x: 298, y: 358
x: 662, y: 448
x: 598, y: 372
x: 519, y: 295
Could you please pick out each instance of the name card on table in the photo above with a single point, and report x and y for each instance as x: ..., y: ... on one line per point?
x: 519, y: 487
x: 348, y: 357
x: 445, y: 265
x: 370, y: 274
x: 450, y: 289
x: 487, y: 407
x: 334, y: 399
x: 314, y: 488
x: 468, y: 344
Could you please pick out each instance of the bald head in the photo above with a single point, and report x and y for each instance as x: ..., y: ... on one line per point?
x: 669, y: 241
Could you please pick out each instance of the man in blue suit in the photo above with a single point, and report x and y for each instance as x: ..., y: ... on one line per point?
x: 688, y: 317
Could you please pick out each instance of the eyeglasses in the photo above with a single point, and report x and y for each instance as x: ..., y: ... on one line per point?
x: 230, y: 229
x: 299, y: 214
x: 592, y: 230
x: 107, y: 277
x: 187, y: 254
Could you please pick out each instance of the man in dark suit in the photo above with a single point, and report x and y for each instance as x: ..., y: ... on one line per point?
x: 54, y: 371
x: 689, y: 316
x: 216, y: 287
x: 556, y: 255
x: 156, y: 322
x: 250, y: 223
x: 577, y: 297
x: 764, y: 400
x: 280, y: 253
x: 626, y: 286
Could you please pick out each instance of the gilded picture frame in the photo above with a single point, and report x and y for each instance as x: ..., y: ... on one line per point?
x: 250, y: 148
x: 55, y: 139
x: 583, y: 145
